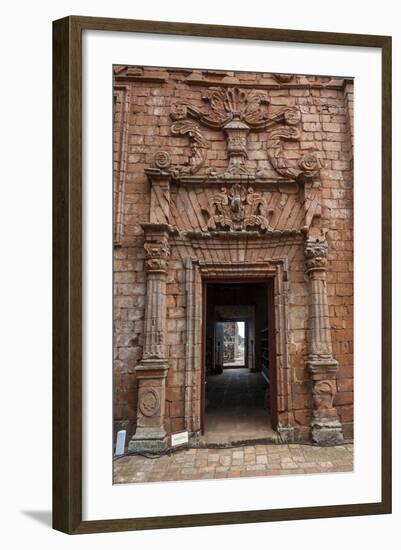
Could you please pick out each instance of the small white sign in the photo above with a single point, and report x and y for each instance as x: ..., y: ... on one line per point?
x: 120, y: 444
x: 179, y: 439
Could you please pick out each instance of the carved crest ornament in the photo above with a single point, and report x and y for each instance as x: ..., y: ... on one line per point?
x: 237, y: 112
x: 237, y: 209
x: 149, y: 401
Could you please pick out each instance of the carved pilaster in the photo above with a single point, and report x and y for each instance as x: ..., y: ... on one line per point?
x: 159, y: 177
x: 151, y: 371
x: 326, y: 428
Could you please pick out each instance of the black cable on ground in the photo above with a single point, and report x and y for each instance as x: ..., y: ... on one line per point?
x: 173, y: 450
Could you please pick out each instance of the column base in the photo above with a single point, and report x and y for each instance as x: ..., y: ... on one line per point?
x: 286, y: 434
x: 327, y: 434
x: 148, y: 440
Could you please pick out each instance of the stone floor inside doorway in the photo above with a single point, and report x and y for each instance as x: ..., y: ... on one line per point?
x: 235, y: 408
x: 234, y: 462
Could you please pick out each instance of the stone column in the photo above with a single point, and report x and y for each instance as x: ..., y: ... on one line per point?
x: 151, y: 371
x: 326, y: 428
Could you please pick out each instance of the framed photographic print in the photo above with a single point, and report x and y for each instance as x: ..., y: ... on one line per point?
x: 221, y: 275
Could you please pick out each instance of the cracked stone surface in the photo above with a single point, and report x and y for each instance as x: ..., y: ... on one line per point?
x: 246, y: 461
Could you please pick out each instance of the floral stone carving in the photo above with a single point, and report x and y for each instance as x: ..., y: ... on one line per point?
x: 316, y: 253
x: 157, y: 254
x: 237, y: 209
x: 149, y: 402
x: 234, y: 104
x: 197, y: 143
x: 237, y: 112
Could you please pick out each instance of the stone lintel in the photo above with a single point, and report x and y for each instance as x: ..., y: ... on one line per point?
x: 223, y: 180
x: 242, y: 234
x: 290, y: 185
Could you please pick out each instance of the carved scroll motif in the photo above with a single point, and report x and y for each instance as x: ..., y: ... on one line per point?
x: 237, y: 209
x: 237, y: 112
x: 197, y: 143
x: 162, y: 160
x: 288, y: 131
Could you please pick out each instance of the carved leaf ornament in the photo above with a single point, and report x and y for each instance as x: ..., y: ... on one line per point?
x: 237, y: 112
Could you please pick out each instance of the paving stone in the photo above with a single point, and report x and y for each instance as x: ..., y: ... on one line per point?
x: 238, y: 454
x: 213, y: 458
x: 255, y: 467
x: 225, y: 460
x: 264, y: 460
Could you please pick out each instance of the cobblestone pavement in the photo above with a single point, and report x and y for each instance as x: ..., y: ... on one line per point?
x: 246, y: 461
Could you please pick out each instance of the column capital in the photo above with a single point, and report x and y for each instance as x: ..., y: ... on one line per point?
x: 315, y: 252
x: 157, y: 254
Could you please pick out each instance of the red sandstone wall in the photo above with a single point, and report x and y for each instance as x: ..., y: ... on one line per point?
x: 143, y: 101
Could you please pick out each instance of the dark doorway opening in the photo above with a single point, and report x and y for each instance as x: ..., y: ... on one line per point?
x: 239, y: 397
